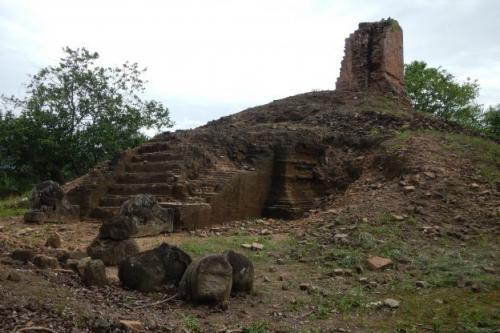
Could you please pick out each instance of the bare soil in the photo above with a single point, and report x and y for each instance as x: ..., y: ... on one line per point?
x: 423, y: 200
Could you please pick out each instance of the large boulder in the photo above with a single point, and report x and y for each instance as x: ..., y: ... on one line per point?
x: 46, y: 194
x: 207, y: 280
x: 46, y: 201
x: 139, y: 216
x: 111, y: 252
x: 23, y: 255
x: 94, y: 274
x: 243, y: 272
x: 42, y: 261
x: 151, y: 270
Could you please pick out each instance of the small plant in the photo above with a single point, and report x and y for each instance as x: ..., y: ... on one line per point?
x: 191, y: 323
x: 350, y: 301
x: 258, y: 327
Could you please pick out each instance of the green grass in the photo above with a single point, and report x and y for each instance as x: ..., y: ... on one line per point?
x: 483, y: 152
x: 191, y: 323
x: 382, y: 105
x: 13, y: 206
x: 218, y: 244
x: 445, y: 310
x: 441, y: 262
x: 258, y: 327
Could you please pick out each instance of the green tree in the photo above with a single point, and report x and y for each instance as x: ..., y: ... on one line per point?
x: 74, y: 115
x: 435, y: 91
x: 491, y: 122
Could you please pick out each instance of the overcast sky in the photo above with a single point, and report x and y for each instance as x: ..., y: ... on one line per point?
x: 207, y: 59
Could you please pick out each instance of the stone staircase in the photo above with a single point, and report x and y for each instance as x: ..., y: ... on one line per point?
x: 158, y: 168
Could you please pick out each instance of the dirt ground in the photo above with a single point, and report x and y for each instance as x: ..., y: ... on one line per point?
x: 437, y: 220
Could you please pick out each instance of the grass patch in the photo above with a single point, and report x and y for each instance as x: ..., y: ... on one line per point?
x: 485, y: 153
x: 445, y: 310
x: 258, y: 327
x: 191, y: 323
x: 13, y: 206
x: 218, y: 244
x: 382, y: 105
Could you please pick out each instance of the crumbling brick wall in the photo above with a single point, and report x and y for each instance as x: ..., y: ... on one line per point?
x: 373, y: 59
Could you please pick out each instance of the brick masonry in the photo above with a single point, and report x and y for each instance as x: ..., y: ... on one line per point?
x: 373, y: 59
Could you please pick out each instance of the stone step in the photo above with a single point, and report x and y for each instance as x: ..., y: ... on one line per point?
x: 157, y: 157
x: 153, y: 146
x: 103, y: 212
x: 153, y: 166
x: 117, y: 200
x: 132, y: 189
x: 146, y: 177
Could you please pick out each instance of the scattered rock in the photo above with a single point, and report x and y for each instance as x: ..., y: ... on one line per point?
x: 304, y: 286
x: 419, y: 210
x: 77, y: 254
x: 81, y: 264
x: 71, y: 264
x: 246, y: 246
x: 475, y: 287
x: 24, y: 231
x: 43, y: 262
x: 132, y: 325
x: 94, y: 274
x: 54, y: 241
x: 4, y: 274
x: 34, y: 217
x: 391, y: 303
x: 490, y: 270
x: 409, y: 188
x: 397, y: 217
x: 138, y: 217
x: 61, y: 254
x: 23, y: 255
x: 421, y: 284
x: 375, y: 263
x: 257, y: 246
x: 47, y: 200
x: 152, y: 270
x: 112, y: 252
x: 341, y: 238
x: 265, y: 232
x: 14, y: 276
x: 460, y: 282
x: 208, y: 279
x: 243, y: 271
x: 430, y: 174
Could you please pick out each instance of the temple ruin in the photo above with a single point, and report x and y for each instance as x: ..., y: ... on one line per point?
x: 277, y: 160
x: 373, y: 59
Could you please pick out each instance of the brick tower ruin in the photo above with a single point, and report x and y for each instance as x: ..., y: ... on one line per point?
x: 278, y: 160
x: 373, y: 59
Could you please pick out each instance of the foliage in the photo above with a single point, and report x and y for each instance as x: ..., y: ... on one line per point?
x: 73, y: 116
x: 435, y: 91
x: 491, y: 122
